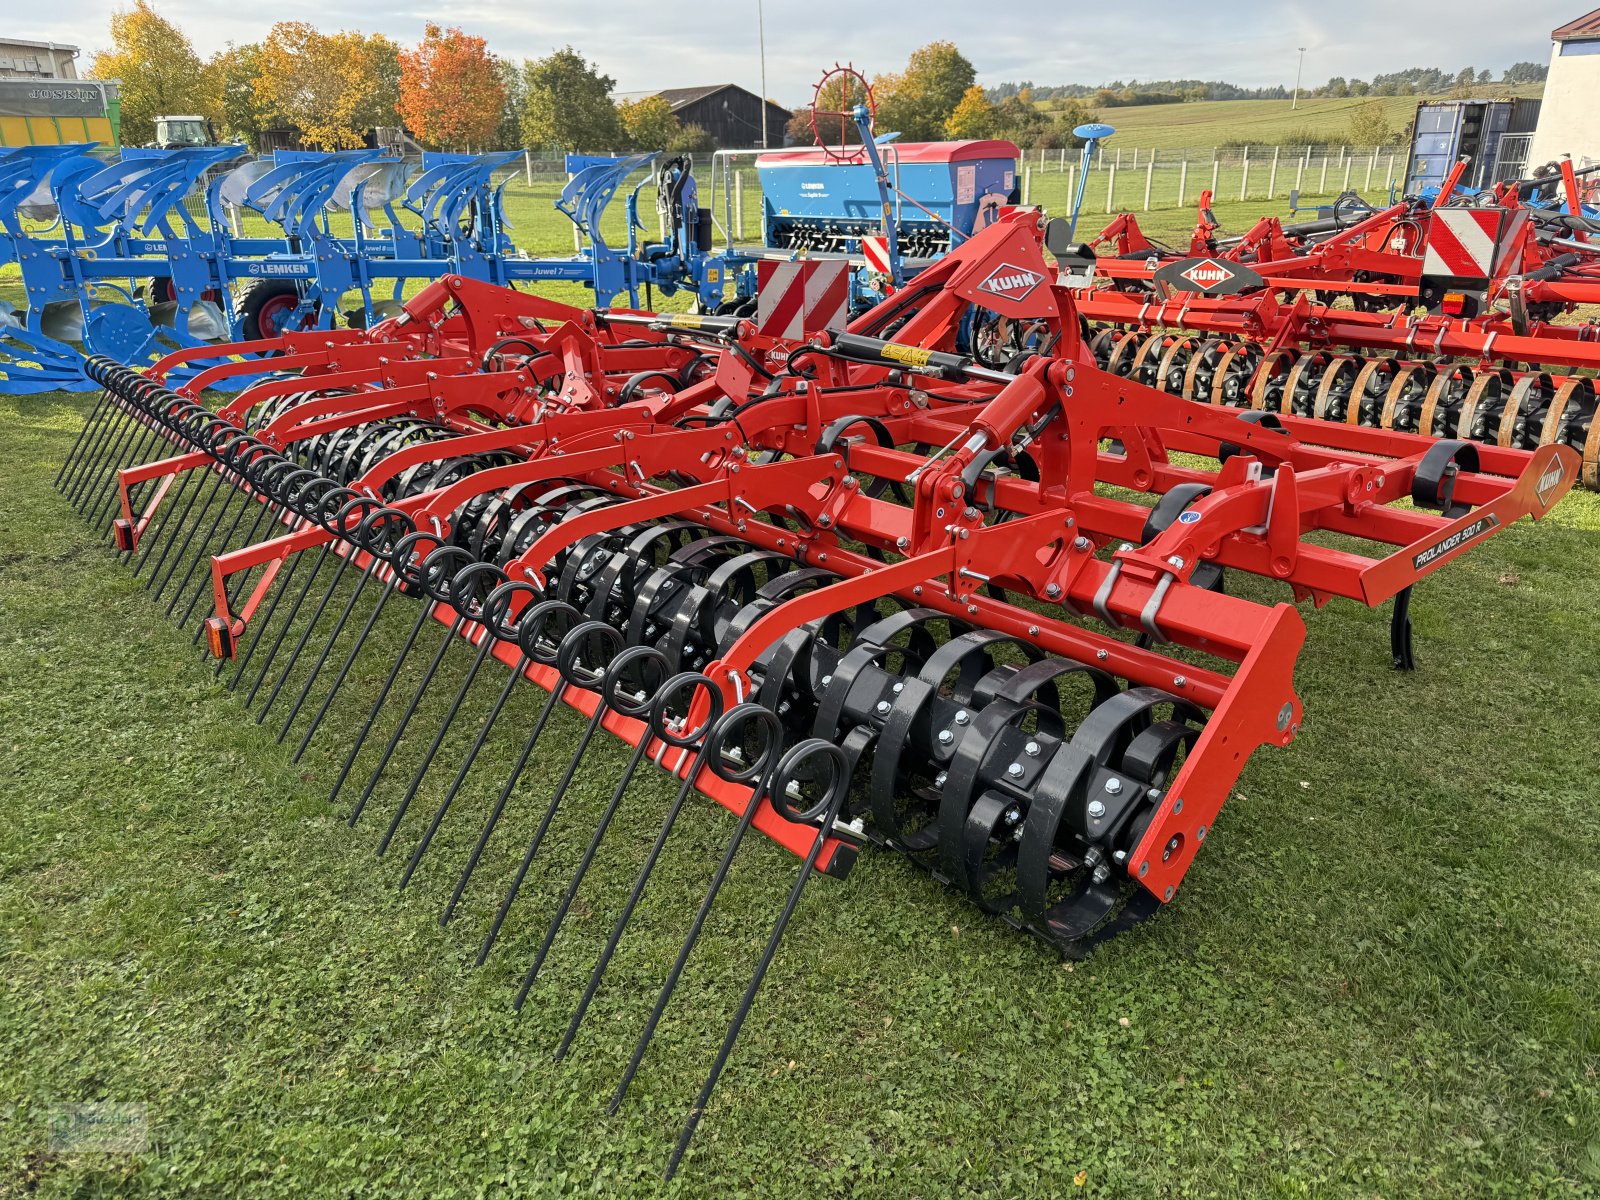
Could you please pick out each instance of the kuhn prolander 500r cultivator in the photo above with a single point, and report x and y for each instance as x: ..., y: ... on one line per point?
x: 859, y: 589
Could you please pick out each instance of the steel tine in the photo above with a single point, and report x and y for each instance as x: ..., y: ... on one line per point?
x: 248, y: 505
x: 260, y: 624
x: 91, y: 422
x: 349, y: 661
x: 535, y: 632
x: 139, y: 449
x: 830, y: 806
x: 615, y: 697
x: 305, y: 633
x: 377, y: 704
x: 203, y: 480
x: 294, y: 611
x: 484, y: 729
x: 98, y: 457
x: 484, y: 646
x: 575, y: 672
x: 202, y: 552
x: 647, y: 1035
x: 405, y: 719
x: 157, y: 582
x: 327, y: 649
x: 709, y: 744
x: 550, y: 702
x: 183, y: 494
x: 122, y: 451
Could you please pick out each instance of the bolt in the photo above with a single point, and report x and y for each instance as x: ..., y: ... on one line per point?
x: 1053, y: 590
x: 898, y: 688
x: 1081, y: 543
x: 1177, y: 806
x: 1179, y: 681
x: 1113, y: 786
x: 1015, y: 770
x: 940, y: 778
x: 901, y: 543
x: 826, y: 680
x: 1013, y: 815
x: 963, y: 717
x: 1033, y: 631
x: 824, y: 521
x: 1096, y: 809
x: 1031, y: 749
x: 1171, y: 848
x: 1169, y: 894
x: 1102, y: 655
x: 1144, y: 869
x: 917, y: 591
x: 971, y: 514
x: 972, y: 610
x: 883, y: 708
x: 1102, y: 873
x: 1200, y: 834
x: 946, y: 737
x: 1119, y: 857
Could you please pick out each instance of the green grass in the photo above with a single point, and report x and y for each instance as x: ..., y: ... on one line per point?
x: 1380, y: 979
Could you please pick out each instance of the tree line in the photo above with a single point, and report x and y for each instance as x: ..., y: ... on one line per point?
x: 1413, y: 81
x: 449, y: 91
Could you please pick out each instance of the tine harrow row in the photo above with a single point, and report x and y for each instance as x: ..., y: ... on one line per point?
x: 861, y: 589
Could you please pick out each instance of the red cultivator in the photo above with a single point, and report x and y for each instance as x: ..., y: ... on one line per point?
x: 858, y: 589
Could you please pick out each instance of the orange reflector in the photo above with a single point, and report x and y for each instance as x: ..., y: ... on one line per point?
x: 219, y: 638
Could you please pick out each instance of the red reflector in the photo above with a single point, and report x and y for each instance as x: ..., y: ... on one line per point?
x: 122, y: 534
x: 1455, y: 303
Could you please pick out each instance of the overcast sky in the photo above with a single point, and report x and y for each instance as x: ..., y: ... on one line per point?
x: 647, y: 44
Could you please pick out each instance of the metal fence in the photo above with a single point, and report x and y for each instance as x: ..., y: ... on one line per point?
x: 1127, y: 179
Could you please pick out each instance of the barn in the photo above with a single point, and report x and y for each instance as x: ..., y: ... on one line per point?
x: 729, y: 113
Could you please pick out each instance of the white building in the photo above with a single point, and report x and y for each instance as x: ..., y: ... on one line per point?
x: 1569, y: 121
x: 37, y: 60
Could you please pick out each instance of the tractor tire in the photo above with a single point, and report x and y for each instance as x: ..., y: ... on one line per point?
x: 263, y: 307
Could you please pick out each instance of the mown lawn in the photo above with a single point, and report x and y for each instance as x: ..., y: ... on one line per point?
x: 1380, y: 979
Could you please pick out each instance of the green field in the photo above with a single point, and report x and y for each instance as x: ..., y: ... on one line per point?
x: 1381, y: 979
x: 1211, y: 123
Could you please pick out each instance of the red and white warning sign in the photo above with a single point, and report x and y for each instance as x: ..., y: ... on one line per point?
x: 1462, y: 242
x: 875, y: 250
x: 796, y: 299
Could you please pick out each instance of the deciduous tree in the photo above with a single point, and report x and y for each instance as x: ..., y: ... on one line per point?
x: 648, y: 123
x: 451, y: 93
x: 332, y: 87
x: 230, y: 82
x: 973, y: 117
x: 159, y: 71
x: 568, y: 105
x: 918, y: 101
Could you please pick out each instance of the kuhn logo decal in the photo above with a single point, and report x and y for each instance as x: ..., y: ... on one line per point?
x: 1549, y: 482
x: 1011, y: 283
x: 1207, y: 273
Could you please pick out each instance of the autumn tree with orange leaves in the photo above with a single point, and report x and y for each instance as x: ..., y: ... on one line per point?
x: 451, y: 91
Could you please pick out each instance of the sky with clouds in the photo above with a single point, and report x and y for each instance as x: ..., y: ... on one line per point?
x: 647, y: 44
